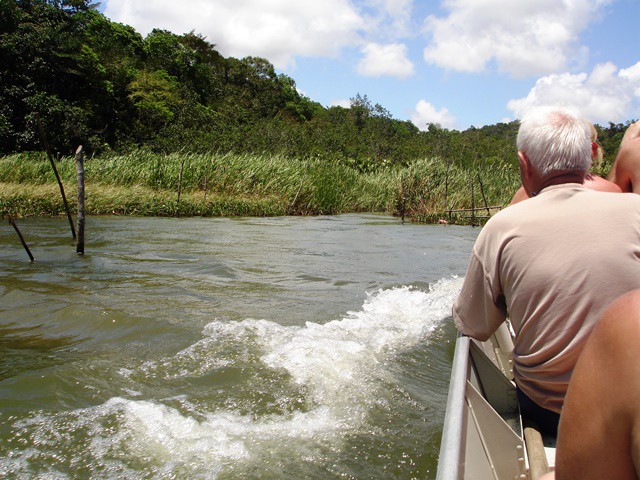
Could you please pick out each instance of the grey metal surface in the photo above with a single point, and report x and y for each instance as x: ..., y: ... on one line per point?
x: 482, y: 434
x: 451, y: 462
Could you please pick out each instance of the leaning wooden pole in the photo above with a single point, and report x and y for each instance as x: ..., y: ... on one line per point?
x: 24, y: 244
x: 446, y: 188
x: 484, y: 199
x: 80, y: 171
x: 473, y: 206
x: 43, y: 139
x: 403, y: 199
x: 446, y: 184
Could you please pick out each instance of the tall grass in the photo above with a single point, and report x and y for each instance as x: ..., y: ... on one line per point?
x: 428, y: 189
x: 143, y: 183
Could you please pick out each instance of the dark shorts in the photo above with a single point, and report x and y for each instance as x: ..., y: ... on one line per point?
x: 547, y: 420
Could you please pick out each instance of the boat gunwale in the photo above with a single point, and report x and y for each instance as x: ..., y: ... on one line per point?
x: 449, y: 466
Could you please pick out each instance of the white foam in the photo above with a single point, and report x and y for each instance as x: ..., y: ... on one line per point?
x: 340, y: 365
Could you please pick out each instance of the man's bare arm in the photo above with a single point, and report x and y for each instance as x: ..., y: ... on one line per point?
x: 633, y: 131
x: 599, y: 426
x: 626, y: 169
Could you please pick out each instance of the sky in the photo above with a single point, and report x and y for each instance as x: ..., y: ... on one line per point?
x: 456, y: 63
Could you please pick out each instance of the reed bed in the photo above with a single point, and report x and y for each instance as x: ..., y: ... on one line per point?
x: 428, y: 190
x: 142, y: 183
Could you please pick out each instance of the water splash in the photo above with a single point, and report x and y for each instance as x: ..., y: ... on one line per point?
x: 329, y: 375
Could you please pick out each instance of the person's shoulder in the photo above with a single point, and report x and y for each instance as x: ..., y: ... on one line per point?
x: 507, y: 212
x: 614, y: 197
x: 595, y: 182
x: 506, y: 217
x: 626, y: 306
x: 629, y: 151
x: 632, y: 143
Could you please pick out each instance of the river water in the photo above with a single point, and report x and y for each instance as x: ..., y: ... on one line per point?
x: 262, y: 348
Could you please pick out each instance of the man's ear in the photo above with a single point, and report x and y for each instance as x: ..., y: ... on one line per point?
x: 525, y: 172
x: 525, y: 166
x: 522, y: 159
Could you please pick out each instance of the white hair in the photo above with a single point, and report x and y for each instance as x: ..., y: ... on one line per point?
x: 555, y: 139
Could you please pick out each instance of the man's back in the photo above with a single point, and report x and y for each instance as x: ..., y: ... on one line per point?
x: 554, y: 262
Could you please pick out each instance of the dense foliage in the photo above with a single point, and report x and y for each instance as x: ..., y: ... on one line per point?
x: 101, y: 84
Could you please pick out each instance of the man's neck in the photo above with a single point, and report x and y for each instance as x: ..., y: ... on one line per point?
x: 558, y: 178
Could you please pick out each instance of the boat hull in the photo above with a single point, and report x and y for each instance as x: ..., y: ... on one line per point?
x: 484, y: 434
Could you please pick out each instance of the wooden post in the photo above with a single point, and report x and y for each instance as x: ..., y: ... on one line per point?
x: 180, y: 185
x: 473, y: 206
x: 80, y: 171
x: 483, y: 197
x: 43, y: 139
x: 446, y: 184
x: 24, y: 244
x: 403, y: 199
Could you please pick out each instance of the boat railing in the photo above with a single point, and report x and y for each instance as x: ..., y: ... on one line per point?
x: 484, y: 436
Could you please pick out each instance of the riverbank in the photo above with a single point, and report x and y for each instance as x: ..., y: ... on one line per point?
x: 147, y: 184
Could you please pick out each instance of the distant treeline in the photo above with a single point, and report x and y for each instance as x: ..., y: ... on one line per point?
x: 101, y: 84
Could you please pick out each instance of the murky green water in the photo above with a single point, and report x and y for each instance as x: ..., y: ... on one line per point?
x: 278, y: 348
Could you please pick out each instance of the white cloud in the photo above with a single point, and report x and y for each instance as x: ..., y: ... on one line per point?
x: 632, y: 74
x: 391, y: 18
x: 345, y: 102
x: 425, y: 113
x: 278, y: 30
x: 385, y: 60
x: 606, y: 94
x: 523, y: 37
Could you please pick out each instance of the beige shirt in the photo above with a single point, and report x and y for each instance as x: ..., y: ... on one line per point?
x: 552, y: 263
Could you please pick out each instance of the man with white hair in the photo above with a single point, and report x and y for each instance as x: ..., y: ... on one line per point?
x: 552, y: 263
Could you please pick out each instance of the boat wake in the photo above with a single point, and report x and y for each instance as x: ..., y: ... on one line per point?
x: 252, y: 396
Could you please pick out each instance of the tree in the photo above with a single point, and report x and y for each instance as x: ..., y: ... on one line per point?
x: 156, y: 98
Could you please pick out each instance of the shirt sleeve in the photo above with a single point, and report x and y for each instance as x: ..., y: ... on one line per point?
x: 480, y: 308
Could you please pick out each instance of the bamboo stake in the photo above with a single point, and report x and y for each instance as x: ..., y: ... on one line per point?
x: 482, y: 192
x: 473, y: 206
x: 446, y: 184
x: 80, y: 171
x: 43, y: 139
x: 24, y: 244
x: 403, y: 198
x: 180, y: 185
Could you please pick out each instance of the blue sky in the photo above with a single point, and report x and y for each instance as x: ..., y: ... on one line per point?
x: 453, y: 62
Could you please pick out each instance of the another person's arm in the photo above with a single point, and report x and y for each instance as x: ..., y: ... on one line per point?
x: 599, y: 434
x: 633, y: 131
x: 626, y: 169
x: 519, y: 196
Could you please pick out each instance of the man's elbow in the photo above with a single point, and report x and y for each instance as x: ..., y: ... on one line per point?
x: 481, y: 337
x: 465, y: 330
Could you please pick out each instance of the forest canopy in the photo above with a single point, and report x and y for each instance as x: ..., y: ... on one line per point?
x: 101, y: 84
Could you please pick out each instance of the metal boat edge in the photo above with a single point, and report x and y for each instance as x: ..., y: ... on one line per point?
x: 484, y: 435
